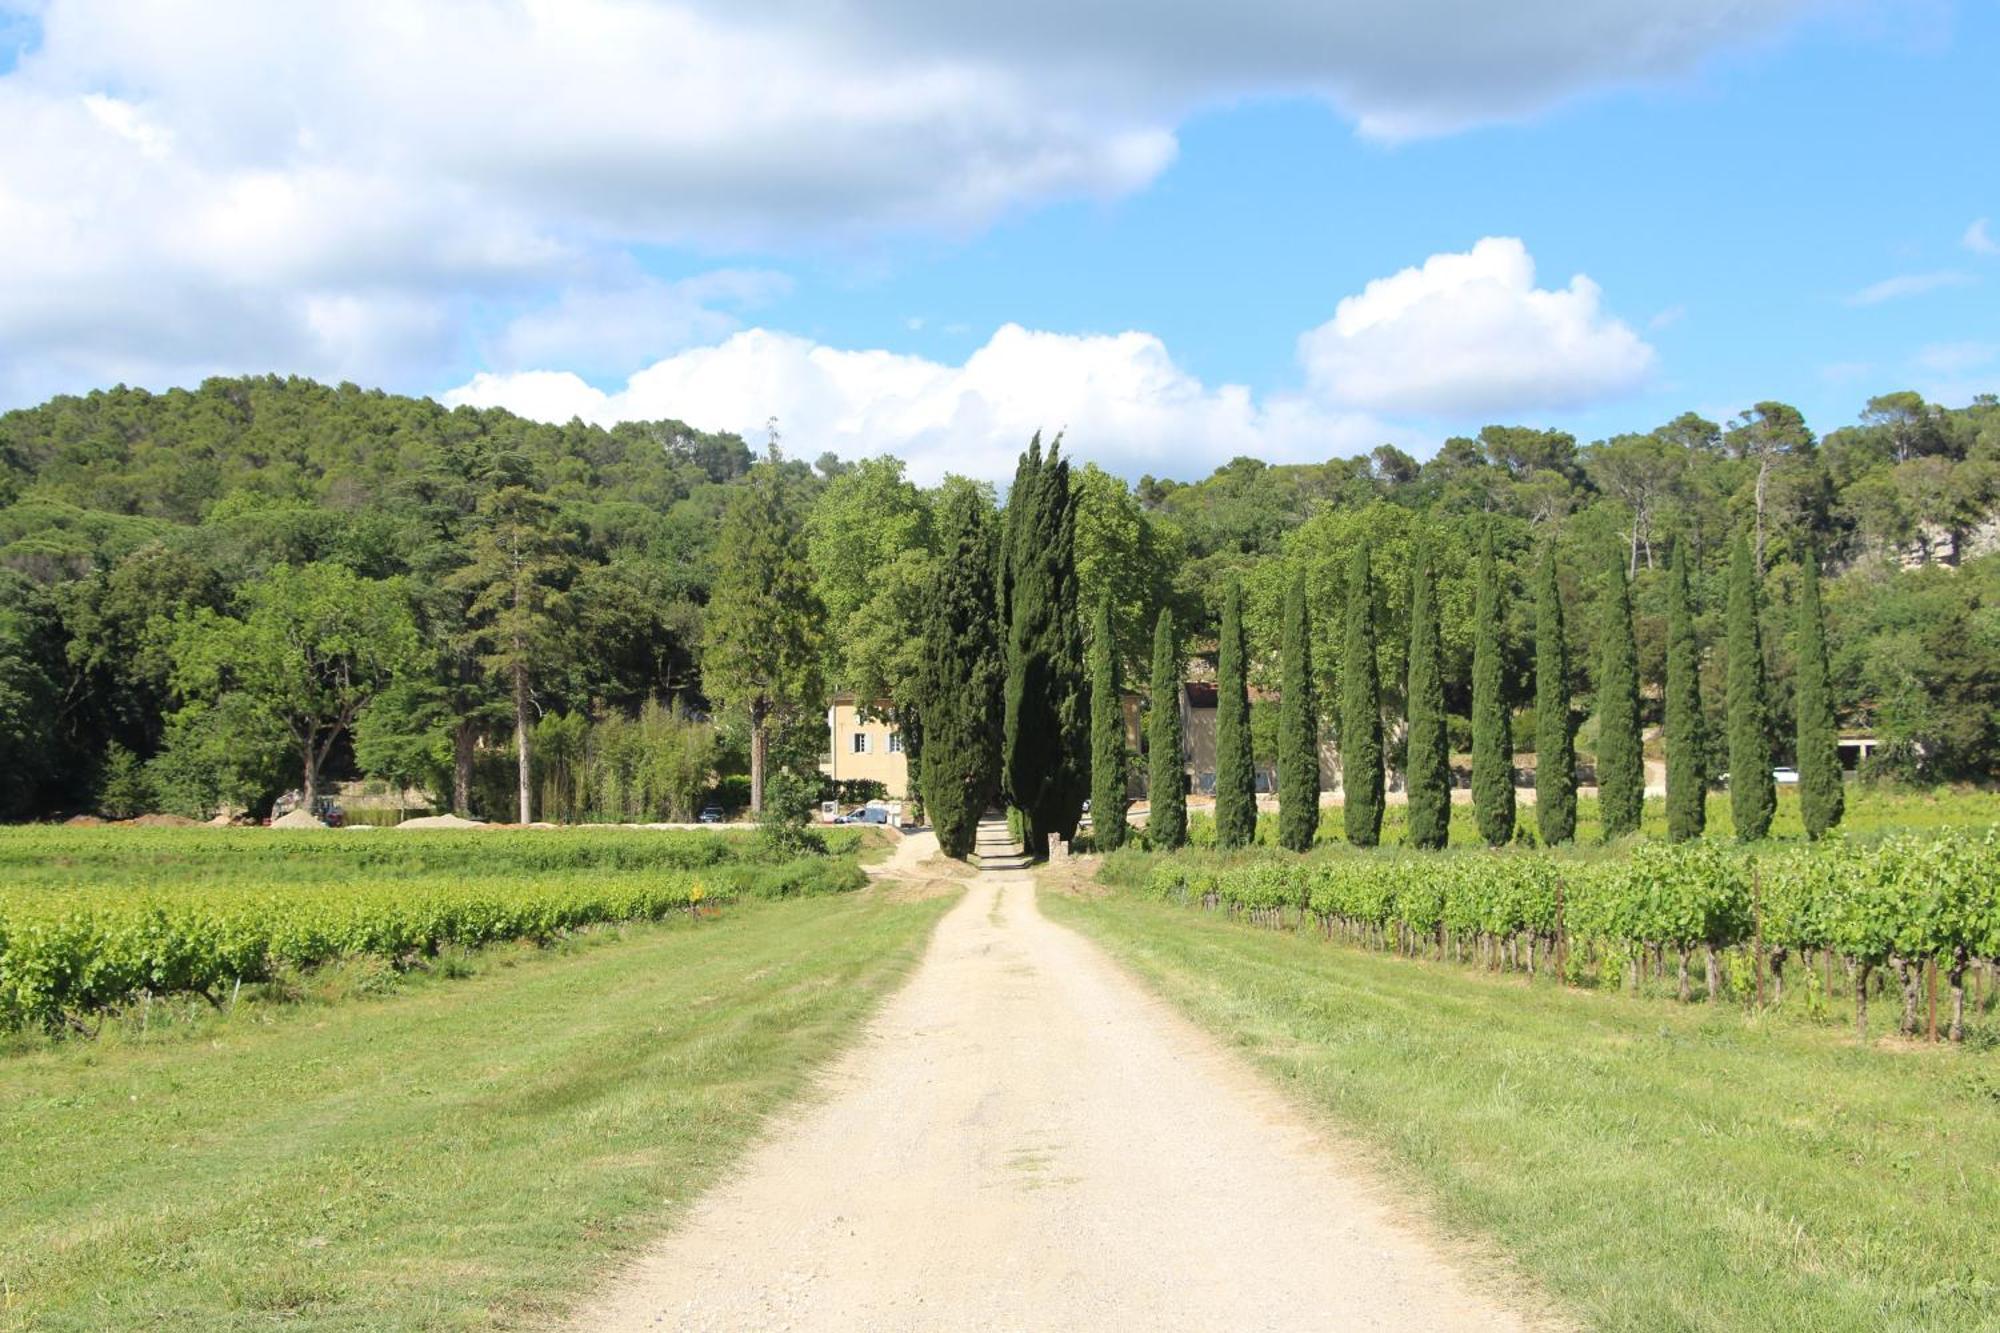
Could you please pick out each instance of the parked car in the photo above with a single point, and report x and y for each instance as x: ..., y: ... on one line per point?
x: 1782, y: 776
x: 710, y: 814
x: 865, y: 814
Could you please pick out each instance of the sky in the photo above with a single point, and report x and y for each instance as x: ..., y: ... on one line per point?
x: 1175, y: 232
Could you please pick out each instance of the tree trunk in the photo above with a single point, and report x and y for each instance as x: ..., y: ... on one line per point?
x: 521, y: 743
x: 1861, y: 1003
x: 1911, y: 976
x: 1686, y: 993
x: 1957, y: 978
x: 462, y: 738
x: 1714, y: 975
x: 310, y: 781
x: 760, y: 751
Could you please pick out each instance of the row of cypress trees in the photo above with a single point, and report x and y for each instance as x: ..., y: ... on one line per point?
x: 1011, y: 709
x: 1620, y: 753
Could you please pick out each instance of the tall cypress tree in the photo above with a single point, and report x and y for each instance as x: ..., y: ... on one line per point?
x: 1821, y: 800
x: 1687, y: 729
x: 1753, y: 797
x: 1298, y: 728
x: 1107, y: 736
x: 1621, y: 762
x: 1235, y: 777
x: 1555, y: 739
x: 1361, y: 710
x: 1166, y: 775
x: 963, y: 674
x: 1492, y: 731
x: 1046, y: 728
x: 1429, y: 763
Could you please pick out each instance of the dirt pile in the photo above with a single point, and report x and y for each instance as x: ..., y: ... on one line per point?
x: 441, y: 821
x: 297, y: 819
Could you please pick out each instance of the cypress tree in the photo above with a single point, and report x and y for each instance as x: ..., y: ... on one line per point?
x: 1361, y: 710
x: 1752, y: 795
x: 1821, y: 800
x: 1555, y: 742
x: 1492, y: 731
x: 1107, y: 737
x: 1298, y: 728
x: 963, y: 672
x: 1621, y: 762
x: 1429, y: 763
x: 1166, y: 776
x: 1046, y: 724
x: 1235, y: 775
x: 1687, y: 740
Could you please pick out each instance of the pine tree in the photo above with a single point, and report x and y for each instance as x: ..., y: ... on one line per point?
x: 962, y: 676
x: 1687, y: 738
x: 1821, y: 800
x: 1492, y: 730
x: 1107, y: 737
x: 1555, y: 741
x: 1166, y: 775
x: 514, y: 584
x: 1298, y: 728
x: 1429, y: 762
x: 1621, y: 762
x: 1361, y: 710
x: 1235, y: 773
x: 1046, y: 723
x: 1753, y: 796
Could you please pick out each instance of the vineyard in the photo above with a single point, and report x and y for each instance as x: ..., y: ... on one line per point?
x: 92, y: 920
x: 1918, y: 910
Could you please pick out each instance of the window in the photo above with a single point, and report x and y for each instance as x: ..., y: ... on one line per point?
x: 861, y: 742
x: 895, y: 742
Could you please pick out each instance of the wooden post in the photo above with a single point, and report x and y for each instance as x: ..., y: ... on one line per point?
x: 1757, y: 931
x: 1933, y: 985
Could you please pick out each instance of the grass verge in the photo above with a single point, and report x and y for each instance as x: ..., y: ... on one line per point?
x: 465, y: 1154
x: 1653, y: 1166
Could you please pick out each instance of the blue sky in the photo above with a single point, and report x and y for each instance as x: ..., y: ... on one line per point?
x: 1767, y: 200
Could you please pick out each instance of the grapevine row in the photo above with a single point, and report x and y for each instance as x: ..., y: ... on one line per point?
x: 1902, y: 902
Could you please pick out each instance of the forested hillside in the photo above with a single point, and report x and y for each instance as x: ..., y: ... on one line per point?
x: 209, y: 596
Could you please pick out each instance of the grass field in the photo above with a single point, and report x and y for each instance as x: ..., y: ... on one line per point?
x: 458, y: 1147
x: 1655, y: 1166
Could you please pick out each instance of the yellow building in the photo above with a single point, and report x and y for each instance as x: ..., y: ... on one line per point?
x: 865, y: 749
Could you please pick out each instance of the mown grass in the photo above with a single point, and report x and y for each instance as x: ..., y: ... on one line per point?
x: 1655, y: 1166
x: 424, y: 1153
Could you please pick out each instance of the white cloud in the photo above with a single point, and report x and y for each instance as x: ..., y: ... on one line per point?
x: 1471, y: 333
x: 1978, y: 238
x: 1908, y: 284
x: 1119, y: 398
x: 610, y: 326
x: 1462, y: 333
x: 195, y: 179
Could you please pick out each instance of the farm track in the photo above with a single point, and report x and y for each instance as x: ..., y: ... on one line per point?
x: 1026, y: 1139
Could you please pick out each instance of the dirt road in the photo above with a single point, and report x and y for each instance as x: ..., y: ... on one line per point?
x: 1025, y: 1139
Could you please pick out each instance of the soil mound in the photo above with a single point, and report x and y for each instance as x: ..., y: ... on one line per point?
x: 441, y: 821
x: 297, y: 819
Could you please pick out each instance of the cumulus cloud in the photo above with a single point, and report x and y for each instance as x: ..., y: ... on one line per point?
x: 200, y: 180
x: 1978, y: 238
x: 1461, y: 334
x: 1469, y: 333
x: 1119, y: 398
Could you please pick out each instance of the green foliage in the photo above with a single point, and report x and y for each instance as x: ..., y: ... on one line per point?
x: 1298, y: 729
x: 870, y: 541
x: 1752, y: 791
x: 1492, y: 726
x: 1235, y: 773
x: 1555, y: 739
x: 1686, y: 726
x: 960, y: 690
x: 1046, y: 725
x: 1429, y: 753
x: 763, y: 629
x: 1361, y: 710
x: 1621, y: 763
x: 313, y: 646
x: 122, y: 789
x: 1107, y: 736
x: 1820, y: 793
x: 1166, y: 777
